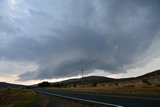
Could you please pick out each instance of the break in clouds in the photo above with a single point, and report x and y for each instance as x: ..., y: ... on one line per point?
x: 60, y: 37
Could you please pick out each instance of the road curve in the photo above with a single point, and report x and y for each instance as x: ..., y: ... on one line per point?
x: 111, y: 100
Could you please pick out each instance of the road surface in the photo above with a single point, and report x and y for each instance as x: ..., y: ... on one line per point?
x: 113, y: 100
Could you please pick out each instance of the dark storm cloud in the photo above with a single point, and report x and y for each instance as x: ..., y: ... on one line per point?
x: 94, y: 34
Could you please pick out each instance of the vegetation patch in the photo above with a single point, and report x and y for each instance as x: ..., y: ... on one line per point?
x: 16, y: 97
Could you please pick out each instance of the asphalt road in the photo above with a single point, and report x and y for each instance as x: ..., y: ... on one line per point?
x: 114, y: 100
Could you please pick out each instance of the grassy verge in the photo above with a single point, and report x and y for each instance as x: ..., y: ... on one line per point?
x: 16, y: 98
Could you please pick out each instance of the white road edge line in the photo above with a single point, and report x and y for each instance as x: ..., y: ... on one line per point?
x: 96, y: 102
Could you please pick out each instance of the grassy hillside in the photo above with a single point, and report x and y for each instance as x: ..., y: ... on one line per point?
x: 100, y: 79
x: 90, y: 79
x: 145, y: 84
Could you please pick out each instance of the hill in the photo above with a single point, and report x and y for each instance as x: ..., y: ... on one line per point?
x: 5, y: 85
x: 89, y: 79
x: 101, y: 79
x: 151, y: 74
x: 145, y: 84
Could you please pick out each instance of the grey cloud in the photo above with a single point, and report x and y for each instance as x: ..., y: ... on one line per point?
x: 26, y: 76
x: 99, y: 34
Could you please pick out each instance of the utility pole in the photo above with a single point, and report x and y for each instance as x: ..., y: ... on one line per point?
x: 82, y: 78
x: 82, y: 72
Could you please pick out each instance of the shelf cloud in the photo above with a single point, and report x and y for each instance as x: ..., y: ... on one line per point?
x: 60, y: 37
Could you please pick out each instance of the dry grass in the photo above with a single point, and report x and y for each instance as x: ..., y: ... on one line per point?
x: 17, y: 97
x: 125, y: 90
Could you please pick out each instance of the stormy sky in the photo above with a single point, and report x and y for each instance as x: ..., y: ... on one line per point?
x: 52, y: 39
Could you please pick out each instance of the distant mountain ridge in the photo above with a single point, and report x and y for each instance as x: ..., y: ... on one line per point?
x: 89, y: 79
x: 5, y: 85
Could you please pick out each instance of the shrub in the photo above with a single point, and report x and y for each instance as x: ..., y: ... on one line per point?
x: 94, y: 84
x: 158, y: 85
x: 129, y: 86
x: 116, y: 83
x: 74, y: 85
x: 145, y: 80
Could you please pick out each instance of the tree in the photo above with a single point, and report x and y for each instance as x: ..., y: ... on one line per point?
x: 44, y: 84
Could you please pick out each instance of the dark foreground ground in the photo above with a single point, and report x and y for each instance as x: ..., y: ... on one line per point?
x: 28, y: 98
x: 57, y: 98
x: 125, y: 100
